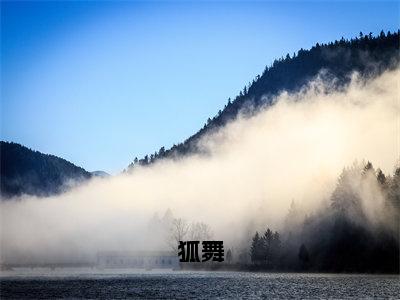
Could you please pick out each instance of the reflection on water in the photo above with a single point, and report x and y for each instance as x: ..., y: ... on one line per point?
x: 92, y: 283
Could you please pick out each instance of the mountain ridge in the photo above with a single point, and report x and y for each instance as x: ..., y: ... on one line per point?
x: 26, y: 171
x: 368, y: 55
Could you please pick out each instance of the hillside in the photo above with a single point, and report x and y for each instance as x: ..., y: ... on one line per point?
x: 24, y: 171
x: 368, y: 55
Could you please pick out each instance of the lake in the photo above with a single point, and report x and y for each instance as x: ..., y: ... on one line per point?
x: 121, y: 284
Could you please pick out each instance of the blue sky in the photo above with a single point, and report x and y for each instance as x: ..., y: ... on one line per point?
x: 99, y: 83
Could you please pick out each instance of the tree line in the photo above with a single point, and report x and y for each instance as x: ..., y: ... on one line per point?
x: 346, y: 236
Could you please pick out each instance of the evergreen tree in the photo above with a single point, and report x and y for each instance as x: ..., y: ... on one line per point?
x: 267, y: 243
x: 257, y: 249
x: 229, y: 256
x: 275, y: 249
x: 380, y: 176
x: 254, y: 248
x: 304, y: 257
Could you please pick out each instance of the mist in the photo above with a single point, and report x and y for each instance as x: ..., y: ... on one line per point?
x: 254, y: 168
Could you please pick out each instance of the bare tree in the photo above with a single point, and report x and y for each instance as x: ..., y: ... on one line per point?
x: 178, y: 231
x: 200, y: 231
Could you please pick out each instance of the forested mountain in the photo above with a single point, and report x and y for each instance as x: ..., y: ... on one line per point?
x: 366, y: 54
x: 24, y: 171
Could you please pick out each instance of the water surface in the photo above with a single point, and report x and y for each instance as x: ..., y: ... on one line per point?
x: 122, y: 284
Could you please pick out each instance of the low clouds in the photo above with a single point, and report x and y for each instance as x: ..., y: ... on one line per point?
x: 294, y: 149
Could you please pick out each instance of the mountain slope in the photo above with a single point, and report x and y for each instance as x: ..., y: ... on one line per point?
x: 368, y: 55
x: 24, y: 171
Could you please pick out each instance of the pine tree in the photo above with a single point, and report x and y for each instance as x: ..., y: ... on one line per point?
x: 229, y: 256
x: 255, y: 248
x: 304, y: 257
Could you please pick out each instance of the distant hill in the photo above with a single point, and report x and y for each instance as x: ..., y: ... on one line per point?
x: 366, y: 54
x: 101, y: 174
x: 24, y: 171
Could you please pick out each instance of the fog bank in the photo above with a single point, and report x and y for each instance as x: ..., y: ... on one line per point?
x: 293, y: 150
